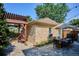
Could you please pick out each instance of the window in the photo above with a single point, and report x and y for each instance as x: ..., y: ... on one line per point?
x: 50, y: 34
x: 50, y: 31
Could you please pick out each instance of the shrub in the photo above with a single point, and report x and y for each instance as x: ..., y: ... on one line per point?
x: 3, y: 31
x: 2, y: 52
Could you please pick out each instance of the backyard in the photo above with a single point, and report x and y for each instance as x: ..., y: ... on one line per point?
x: 22, y: 35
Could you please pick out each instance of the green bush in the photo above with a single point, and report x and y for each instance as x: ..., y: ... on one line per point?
x: 4, y: 41
x: 12, y: 34
x: 2, y: 53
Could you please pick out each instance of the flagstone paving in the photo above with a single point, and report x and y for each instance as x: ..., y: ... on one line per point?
x: 15, y: 49
x: 47, y: 50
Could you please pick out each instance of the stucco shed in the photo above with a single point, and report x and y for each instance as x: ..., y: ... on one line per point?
x: 38, y: 30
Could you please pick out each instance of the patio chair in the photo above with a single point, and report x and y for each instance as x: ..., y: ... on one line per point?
x: 57, y: 43
x: 66, y: 43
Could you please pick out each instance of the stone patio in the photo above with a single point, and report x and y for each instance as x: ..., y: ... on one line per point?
x: 47, y: 50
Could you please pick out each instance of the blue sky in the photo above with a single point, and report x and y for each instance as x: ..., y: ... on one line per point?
x: 28, y: 9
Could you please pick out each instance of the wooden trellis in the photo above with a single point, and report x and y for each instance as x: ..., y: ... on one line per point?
x: 19, y: 20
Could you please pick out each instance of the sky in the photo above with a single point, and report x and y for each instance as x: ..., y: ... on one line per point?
x: 28, y: 9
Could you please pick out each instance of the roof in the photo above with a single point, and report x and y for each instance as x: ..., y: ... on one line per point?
x: 58, y: 26
x: 66, y: 25
x: 44, y: 21
x: 14, y: 16
x: 16, y: 21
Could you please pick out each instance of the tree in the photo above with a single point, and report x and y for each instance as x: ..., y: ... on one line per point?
x: 55, y: 12
x: 75, y: 22
x: 29, y: 18
x: 3, y: 30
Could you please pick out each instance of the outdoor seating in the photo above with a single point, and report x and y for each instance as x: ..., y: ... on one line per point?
x: 63, y: 43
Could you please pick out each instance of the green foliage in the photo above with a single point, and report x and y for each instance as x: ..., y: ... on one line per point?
x: 13, y: 34
x: 55, y: 12
x: 1, y: 52
x: 3, y: 30
x: 1, y: 9
x: 75, y: 22
x: 29, y: 18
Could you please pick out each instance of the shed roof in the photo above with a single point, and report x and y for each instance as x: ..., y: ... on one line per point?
x: 44, y: 21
